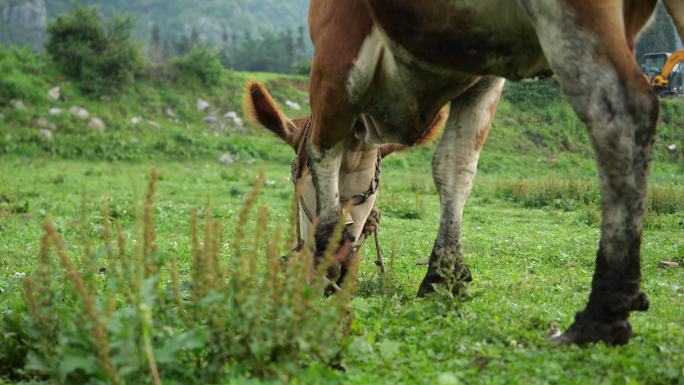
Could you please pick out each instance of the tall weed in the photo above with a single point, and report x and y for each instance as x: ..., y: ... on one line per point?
x: 122, y: 311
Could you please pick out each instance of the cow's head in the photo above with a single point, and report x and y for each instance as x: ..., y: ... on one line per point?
x: 263, y: 110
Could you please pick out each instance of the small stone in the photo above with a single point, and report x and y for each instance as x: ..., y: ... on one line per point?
x: 171, y: 113
x: 97, y: 124
x: 55, y: 111
x: 45, y: 133
x: 79, y: 112
x: 210, y: 119
x: 202, y: 104
x: 447, y: 379
x: 17, y: 104
x: 423, y: 262
x: 668, y: 265
x: 137, y: 120
x: 270, y: 182
x: 227, y: 159
x: 250, y: 162
x: 55, y: 93
x: 672, y: 147
x: 154, y: 124
x: 231, y: 115
x: 44, y: 123
x: 293, y: 105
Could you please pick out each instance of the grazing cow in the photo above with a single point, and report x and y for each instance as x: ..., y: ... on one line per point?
x: 393, y: 64
x: 360, y: 163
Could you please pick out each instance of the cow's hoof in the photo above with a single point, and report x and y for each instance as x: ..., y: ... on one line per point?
x: 460, y: 276
x: 584, y: 332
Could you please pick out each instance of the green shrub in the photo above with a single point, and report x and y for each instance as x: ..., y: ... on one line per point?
x: 200, y: 65
x: 125, y: 314
x: 100, y: 58
x: 19, y: 68
x: 302, y: 67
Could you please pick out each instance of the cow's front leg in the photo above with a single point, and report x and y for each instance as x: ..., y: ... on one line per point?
x: 325, y: 168
x: 598, y: 73
x: 453, y: 169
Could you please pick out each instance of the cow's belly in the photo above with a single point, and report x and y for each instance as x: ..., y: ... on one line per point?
x: 420, y: 55
x: 482, y: 37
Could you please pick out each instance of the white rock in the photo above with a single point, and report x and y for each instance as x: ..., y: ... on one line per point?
x: 293, y: 105
x: 54, y: 93
x: 250, y: 162
x: 672, y: 147
x: 231, y: 115
x: 171, y: 113
x: 55, y: 111
x: 79, y: 112
x: 202, y: 104
x: 154, y: 124
x: 137, y: 120
x: 98, y: 124
x: 227, y: 159
x: 44, y: 123
x: 18, y: 104
x: 47, y: 134
x: 270, y: 182
x: 210, y: 119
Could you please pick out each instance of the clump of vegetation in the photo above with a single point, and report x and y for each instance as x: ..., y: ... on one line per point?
x: 101, y: 58
x: 18, y: 80
x: 571, y: 194
x: 199, y: 66
x: 126, y: 312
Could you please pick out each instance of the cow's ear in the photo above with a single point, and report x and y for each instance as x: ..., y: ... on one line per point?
x: 261, y: 109
x: 389, y: 149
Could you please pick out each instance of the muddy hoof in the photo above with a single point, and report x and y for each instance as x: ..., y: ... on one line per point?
x: 461, y: 275
x: 586, y: 332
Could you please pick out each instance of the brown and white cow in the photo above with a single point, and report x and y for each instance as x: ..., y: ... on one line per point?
x: 360, y: 163
x: 393, y: 64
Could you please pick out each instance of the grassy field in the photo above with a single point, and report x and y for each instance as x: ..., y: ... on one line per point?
x: 530, y: 232
x: 532, y: 268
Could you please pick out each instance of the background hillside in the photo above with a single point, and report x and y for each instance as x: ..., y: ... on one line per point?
x: 24, y: 21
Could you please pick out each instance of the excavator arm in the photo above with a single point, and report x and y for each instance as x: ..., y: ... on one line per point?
x: 674, y: 59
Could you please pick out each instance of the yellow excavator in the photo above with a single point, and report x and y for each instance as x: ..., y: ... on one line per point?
x: 665, y: 72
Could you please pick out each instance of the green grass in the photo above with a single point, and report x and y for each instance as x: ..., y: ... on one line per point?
x: 532, y: 270
x: 530, y: 229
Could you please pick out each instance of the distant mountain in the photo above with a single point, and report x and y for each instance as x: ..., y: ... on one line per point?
x: 24, y: 21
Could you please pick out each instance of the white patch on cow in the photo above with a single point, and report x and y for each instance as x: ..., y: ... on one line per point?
x: 373, y: 50
x: 326, y: 168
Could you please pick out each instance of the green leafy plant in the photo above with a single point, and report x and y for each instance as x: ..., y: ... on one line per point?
x: 199, y: 66
x: 126, y: 312
x: 101, y: 58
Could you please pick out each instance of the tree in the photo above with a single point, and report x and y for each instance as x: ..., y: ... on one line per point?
x: 101, y: 58
x: 156, y: 47
x: 659, y: 36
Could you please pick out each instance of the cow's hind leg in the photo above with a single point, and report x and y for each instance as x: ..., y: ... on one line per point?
x: 598, y: 73
x: 453, y: 170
